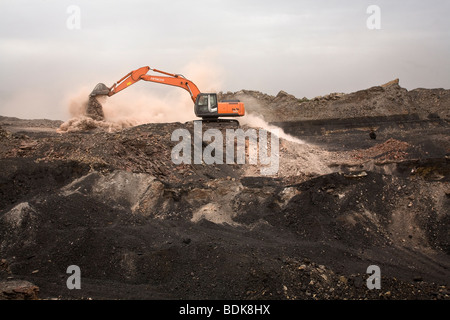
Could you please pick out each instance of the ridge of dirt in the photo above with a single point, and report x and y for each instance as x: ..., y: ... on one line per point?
x: 384, y: 100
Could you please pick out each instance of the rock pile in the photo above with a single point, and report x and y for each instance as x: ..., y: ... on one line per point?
x: 389, y: 150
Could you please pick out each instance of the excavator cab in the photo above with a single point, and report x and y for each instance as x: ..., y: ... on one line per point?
x: 206, y: 105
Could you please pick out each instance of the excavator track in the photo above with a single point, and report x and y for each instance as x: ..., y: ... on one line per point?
x: 218, y: 123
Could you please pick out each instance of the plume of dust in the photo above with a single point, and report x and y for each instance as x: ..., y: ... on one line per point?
x: 135, y: 108
x: 77, y: 104
x: 154, y: 106
x: 253, y: 120
x: 78, y: 101
x: 298, y: 157
x: 139, y: 104
x: 205, y: 74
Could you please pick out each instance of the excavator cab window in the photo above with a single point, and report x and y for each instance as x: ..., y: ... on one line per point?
x: 212, y: 106
x: 207, y: 103
x: 203, y: 101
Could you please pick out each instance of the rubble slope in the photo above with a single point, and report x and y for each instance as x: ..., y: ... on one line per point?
x: 141, y: 227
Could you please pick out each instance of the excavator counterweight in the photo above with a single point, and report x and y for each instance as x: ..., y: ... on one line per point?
x: 206, y: 105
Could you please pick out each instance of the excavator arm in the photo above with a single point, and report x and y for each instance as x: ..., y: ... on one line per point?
x: 176, y: 80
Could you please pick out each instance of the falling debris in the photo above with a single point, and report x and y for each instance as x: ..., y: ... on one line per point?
x: 94, y: 109
x: 92, y: 117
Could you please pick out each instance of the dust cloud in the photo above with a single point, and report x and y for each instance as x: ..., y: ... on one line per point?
x: 175, y: 105
x: 255, y: 121
x: 296, y: 156
x: 136, y: 105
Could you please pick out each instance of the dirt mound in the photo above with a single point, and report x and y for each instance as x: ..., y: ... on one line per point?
x: 436, y: 102
x: 18, y: 290
x: 10, y: 125
x: 384, y: 100
x: 389, y: 150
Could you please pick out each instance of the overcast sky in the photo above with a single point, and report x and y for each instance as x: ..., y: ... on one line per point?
x: 307, y: 48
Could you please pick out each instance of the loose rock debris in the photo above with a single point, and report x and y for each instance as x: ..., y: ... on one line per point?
x: 94, y: 109
x: 391, y: 149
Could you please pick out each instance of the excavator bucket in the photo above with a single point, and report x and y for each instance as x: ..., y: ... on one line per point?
x: 100, y: 89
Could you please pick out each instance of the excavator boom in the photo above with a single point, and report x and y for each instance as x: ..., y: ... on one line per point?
x: 141, y: 74
x: 206, y: 105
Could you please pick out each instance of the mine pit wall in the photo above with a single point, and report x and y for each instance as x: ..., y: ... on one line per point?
x: 354, y: 133
x: 301, y: 129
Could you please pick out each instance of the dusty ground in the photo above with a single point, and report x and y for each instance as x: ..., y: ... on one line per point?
x: 111, y: 201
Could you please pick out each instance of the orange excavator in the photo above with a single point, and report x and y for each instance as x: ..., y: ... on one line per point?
x: 206, y: 105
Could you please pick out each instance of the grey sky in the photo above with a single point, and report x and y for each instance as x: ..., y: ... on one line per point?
x: 307, y: 48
